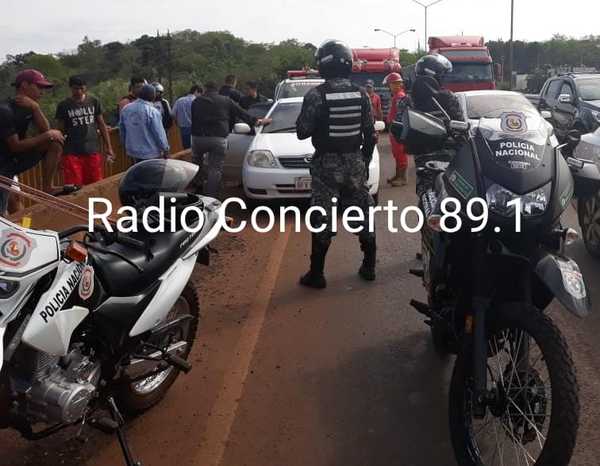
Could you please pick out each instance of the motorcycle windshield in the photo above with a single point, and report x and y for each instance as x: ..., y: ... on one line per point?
x: 515, y: 148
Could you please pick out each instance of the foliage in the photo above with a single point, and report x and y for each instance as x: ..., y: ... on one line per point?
x: 560, y: 51
x: 177, y: 60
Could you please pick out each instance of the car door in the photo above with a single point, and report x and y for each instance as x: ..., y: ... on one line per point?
x: 549, y: 98
x: 565, y: 110
x: 238, y: 145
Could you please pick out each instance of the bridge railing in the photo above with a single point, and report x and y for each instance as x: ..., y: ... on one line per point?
x: 34, y: 176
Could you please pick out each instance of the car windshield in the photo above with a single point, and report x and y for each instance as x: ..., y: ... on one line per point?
x: 589, y: 89
x: 296, y: 89
x: 284, y: 117
x: 492, y: 106
x: 462, y: 72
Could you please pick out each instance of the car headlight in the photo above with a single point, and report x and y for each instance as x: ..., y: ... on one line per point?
x: 261, y: 159
x: 596, y: 115
x: 8, y: 288
x: 532, y: 204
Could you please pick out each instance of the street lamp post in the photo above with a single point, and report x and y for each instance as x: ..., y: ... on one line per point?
x: 511, y: 48
x: 426, y: 7
x: 395, y: 36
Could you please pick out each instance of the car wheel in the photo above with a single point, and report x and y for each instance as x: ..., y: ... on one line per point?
x: 589, y: 220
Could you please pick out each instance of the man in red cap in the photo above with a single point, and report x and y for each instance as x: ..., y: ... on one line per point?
x: 396, y: 85
x: 18, y: 152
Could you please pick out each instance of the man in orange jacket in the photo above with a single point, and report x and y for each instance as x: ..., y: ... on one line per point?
x: 396, y: 85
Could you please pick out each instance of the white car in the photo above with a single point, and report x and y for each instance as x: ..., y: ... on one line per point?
x: 276, y: 164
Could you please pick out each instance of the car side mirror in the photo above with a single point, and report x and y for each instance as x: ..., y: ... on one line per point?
x: 379, y: 126
x: 546, y: 114
x: 565, y: 99
x: 242, y: 128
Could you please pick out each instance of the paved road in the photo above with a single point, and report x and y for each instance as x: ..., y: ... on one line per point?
x: 285, y: 376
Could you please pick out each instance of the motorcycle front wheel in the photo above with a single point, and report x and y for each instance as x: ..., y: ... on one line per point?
x: 137, y: 397
x: 532, y: 415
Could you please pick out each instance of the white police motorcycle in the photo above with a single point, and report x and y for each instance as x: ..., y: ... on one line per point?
x: 104, y: 324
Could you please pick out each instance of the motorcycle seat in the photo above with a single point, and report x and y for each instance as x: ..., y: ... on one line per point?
x: 119, y: 278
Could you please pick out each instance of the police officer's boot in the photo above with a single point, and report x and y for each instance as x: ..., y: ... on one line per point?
x: 367, y: 270
x: 315, y: 278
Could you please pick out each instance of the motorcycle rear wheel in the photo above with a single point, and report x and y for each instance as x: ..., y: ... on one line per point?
x: 137, y: 397
x: 534, y: 416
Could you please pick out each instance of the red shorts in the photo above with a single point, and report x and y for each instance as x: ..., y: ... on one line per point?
x: 82, y: 169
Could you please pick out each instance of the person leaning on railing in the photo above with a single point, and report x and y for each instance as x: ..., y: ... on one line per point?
x: 19, y: 153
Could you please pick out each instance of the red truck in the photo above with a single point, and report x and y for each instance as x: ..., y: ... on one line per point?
x: 376, y: 64
x: 369, y: 64
x: 473, y: 67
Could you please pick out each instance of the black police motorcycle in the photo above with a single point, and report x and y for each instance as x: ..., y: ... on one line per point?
x: 514, y: 394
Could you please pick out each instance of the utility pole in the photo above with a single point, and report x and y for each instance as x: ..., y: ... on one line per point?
x: 170, y: 65
x: 511, y: 48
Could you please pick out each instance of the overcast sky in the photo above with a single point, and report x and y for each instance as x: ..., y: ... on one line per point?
x: 59, y: 25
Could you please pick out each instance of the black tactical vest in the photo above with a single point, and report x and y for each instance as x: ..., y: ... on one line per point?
x: 340, y: 125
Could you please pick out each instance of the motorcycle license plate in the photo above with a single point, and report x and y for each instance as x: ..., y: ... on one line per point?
x: 303, y: 183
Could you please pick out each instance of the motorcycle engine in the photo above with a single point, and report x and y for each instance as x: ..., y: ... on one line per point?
x: 56, y: 390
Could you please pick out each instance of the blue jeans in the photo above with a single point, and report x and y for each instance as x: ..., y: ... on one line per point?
x: 186, y: 137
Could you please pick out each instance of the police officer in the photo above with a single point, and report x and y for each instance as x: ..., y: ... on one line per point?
x: 426, y: 94
x: 337, y: 116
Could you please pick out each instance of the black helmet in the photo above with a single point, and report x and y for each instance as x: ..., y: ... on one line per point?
x: 434, y: 65
x: 334, y: 59
x: 146, y: 179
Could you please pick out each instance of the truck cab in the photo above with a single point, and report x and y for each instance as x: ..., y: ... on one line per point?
x: 375, y: 65
x: 473, y: 68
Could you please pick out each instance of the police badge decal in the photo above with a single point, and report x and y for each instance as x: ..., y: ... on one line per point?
x: 514, y: 122
x: 15, y: 248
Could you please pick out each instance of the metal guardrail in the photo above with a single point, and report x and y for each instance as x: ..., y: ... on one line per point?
x: 34, y: 176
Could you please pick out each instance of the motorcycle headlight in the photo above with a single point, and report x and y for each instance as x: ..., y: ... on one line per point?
x: 500, y: 201
x: 261, y: 159
x: 8, y: 288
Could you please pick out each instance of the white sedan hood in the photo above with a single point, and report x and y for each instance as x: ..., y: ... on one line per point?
x: 283, y: 144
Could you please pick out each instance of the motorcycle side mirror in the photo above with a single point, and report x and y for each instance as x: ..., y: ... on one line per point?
x: 459, y: 126
x: 421, y: 132
x: 379, y: 126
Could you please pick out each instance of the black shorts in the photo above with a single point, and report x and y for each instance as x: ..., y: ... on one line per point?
x: 11, y: 165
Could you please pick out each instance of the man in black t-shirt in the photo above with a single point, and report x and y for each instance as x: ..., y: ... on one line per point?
x: 18, y: 152
x: 80, y: 118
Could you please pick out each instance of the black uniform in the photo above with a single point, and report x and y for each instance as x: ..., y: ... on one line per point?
x: 337, y: 115
x: 426, y: 89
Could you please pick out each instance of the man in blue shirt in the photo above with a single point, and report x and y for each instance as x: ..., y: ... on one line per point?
x: 182, y: 113
x: 141, y: 129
